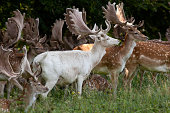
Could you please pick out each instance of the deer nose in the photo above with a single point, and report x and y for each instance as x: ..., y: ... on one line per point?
x: 46, y: 89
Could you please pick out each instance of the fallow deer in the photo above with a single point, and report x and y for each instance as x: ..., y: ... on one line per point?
x: 31, y: 90
x: 115, y: 58
x: 152, y: 55
x: 154, y: 74
x: 97, y: 82
x: 74, y: 65
x: 9, y: 38
x: 13, y: 64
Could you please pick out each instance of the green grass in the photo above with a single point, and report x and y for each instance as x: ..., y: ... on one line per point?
x: 150, y: 99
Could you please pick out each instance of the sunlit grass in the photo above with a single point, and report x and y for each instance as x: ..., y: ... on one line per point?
x: 149, y: 99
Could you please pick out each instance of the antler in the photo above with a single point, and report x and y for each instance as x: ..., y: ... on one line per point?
x: 38, y: 71
x: 84, y: 15
x: 5, y: 66
x: 31, y: 33
x: 117, y: 16
x: 76, y: 24
x: 113, y: 15
x: 57, y: 31
x: 14, y: 28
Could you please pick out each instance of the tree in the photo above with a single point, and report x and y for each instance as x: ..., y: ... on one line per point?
x: 154, y: 12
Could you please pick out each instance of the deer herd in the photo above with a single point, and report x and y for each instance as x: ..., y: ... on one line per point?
x: 63, y: 60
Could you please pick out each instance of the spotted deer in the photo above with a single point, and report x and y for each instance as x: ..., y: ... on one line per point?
x: 152, y: 55
x: 154, y: 74
x: 74, y: 65
x: 97, y: 82
x: 116, y: 57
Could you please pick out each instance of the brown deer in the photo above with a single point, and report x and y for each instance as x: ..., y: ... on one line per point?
x: 31, y: 90
x: 115, y: 58
x: 9, y: 37
x: 97, y: 82
x: 154, y: 74
x: 13, y: 63
x: 152, y: 55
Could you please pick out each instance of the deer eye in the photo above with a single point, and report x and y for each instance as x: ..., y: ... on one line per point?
x: 98, y: 38
x: 102, y: 35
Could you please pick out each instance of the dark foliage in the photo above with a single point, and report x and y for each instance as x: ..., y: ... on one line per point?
x: 154, y: 12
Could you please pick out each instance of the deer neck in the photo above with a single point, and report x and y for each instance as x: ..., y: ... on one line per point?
x: 98, y: 51
x: 128, y: 47
x: 30, y: 97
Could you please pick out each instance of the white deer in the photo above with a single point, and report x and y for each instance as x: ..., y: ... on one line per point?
x: 74, y: 65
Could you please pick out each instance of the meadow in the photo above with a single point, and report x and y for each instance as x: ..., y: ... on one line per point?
x: 150, y: 98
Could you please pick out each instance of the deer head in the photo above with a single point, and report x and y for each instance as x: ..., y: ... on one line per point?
x: 77, y: 26
x: 37, y: 87
x: 32, y: 88
x: 117, y: 16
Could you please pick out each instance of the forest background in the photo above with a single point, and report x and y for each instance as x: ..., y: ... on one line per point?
x: 155, y: 13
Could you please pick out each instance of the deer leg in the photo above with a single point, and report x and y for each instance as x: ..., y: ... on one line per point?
x: 80, y: 83
x: 142, y: 72
x: 76, y: 86
x: 66, y: 91
x: 114, y: 79
x: 154, y: 77
x: 128, y: 78
x: 9, y: 87
x: 49, y: 84
x: 2, y: 86
x: 168, y: 75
